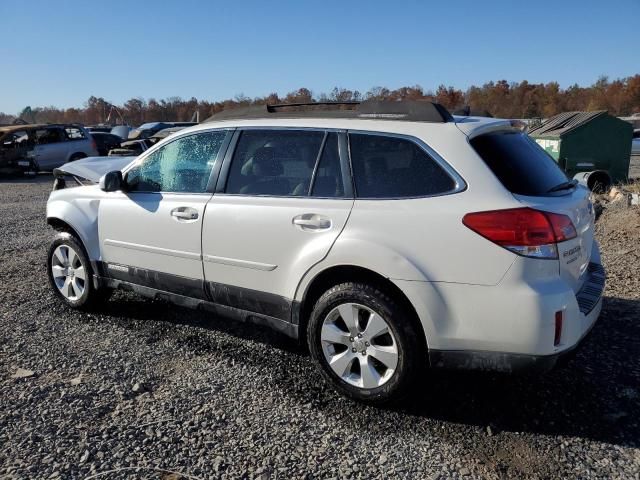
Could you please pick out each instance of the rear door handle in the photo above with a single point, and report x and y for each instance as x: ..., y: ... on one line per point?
x: 184, y: 213
x: 312, y: 221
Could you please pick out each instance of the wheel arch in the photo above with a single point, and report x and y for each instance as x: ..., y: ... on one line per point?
x: 76, y: 155
x: 61, y: 226
x: 337, y: 274
x: 79, y: 220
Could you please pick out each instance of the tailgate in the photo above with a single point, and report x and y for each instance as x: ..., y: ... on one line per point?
x: 573, y: 255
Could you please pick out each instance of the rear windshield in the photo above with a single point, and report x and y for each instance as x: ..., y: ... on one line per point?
x: 522, y: 166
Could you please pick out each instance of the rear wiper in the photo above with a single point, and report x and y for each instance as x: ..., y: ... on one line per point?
x: 563, y: 186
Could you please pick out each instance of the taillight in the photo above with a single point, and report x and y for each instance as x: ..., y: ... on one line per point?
x: 525, y: 231
x: 562, y: 227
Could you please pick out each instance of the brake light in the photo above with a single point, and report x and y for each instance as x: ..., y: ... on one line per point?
x: 525, y: 231
x: 562, y: 227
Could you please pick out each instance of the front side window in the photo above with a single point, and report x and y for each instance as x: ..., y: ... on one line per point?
x: 17, y: 139
x: 274, y: 162
x: 392, y: 167
x: 182, y: 166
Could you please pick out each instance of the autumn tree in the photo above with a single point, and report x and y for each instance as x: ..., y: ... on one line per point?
x: 500, y: 99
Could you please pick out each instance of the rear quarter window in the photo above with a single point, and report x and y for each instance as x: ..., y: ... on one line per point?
x: 392, y: 167
x: 520, y: 164
x: 74, y: 133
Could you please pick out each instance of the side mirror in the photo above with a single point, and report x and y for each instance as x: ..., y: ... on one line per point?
x: 112, y: 182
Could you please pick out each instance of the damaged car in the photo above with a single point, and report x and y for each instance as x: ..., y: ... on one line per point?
x: 386, y: 236
x: 136, y: 147
x: 32, y: 148
x: 16, y: 142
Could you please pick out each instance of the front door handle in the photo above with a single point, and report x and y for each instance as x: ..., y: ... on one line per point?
x: 312, y: 221
x: 184, y: 213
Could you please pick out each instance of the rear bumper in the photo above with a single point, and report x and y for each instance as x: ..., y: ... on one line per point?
x: 510, y: 326
x: 509, y: 362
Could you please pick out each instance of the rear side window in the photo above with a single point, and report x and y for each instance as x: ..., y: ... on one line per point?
x: 46, y: 136
x: 74, y: 133
x: 392, y: 167
x: 522, y: 166
x: 274, y: 162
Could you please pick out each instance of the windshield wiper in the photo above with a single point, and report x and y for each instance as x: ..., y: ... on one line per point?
x: 563, y: 186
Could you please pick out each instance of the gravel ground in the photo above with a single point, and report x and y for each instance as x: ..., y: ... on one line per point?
x: 143, y: 389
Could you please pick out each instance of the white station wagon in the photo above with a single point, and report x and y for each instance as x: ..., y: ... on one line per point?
x: 390, y: 236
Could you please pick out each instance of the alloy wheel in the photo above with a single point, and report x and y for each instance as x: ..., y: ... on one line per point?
x: 359, y: 345
x: 68, y: 272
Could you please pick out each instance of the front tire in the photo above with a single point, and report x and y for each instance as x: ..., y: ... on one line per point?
x: 70, y: 273
x: 366, y: 344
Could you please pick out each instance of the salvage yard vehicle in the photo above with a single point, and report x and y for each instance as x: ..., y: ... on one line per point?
x: 43, y: 146
x: 390, y: 236
x: 162, y: 134
x: 136, y: 147
x: 105, y: 142
x: 132, y: 147
x: 147, y: 130
x: 15, y: 143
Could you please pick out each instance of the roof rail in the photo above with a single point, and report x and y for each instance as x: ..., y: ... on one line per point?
x: 407, y: 110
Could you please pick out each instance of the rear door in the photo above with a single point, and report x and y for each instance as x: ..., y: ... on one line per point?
x: 281, y: 202
x: 533, y: 177
x: 151, y: 234
x: 77, y: 141
x: 50, y: 150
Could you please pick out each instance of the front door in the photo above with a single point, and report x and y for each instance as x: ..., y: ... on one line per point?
x: 151, y: 233
x: 283, y: 206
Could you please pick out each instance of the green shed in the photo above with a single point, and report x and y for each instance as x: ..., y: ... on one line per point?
x: 593, y: 144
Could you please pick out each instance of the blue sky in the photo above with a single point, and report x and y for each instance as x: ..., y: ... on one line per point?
x: 61, y: 52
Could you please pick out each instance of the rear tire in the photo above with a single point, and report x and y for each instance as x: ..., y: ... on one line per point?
x: 70, y: 274
x: 366, y: 344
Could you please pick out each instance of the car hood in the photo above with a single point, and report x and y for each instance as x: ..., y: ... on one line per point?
x: 92, y: 168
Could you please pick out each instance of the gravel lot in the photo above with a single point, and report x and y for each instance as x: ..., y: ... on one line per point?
x: 147, y: 389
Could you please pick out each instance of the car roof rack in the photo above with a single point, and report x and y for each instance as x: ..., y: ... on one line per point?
x: 406, y: 110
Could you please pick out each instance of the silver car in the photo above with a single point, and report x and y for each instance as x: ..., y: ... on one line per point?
x: 54, y: 145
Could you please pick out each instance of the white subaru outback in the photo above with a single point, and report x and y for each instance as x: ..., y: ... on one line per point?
x: 389, y: 235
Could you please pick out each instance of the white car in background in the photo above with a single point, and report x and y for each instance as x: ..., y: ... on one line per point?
x: 388, y: 236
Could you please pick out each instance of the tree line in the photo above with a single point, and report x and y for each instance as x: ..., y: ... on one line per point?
x: 499, y: 99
